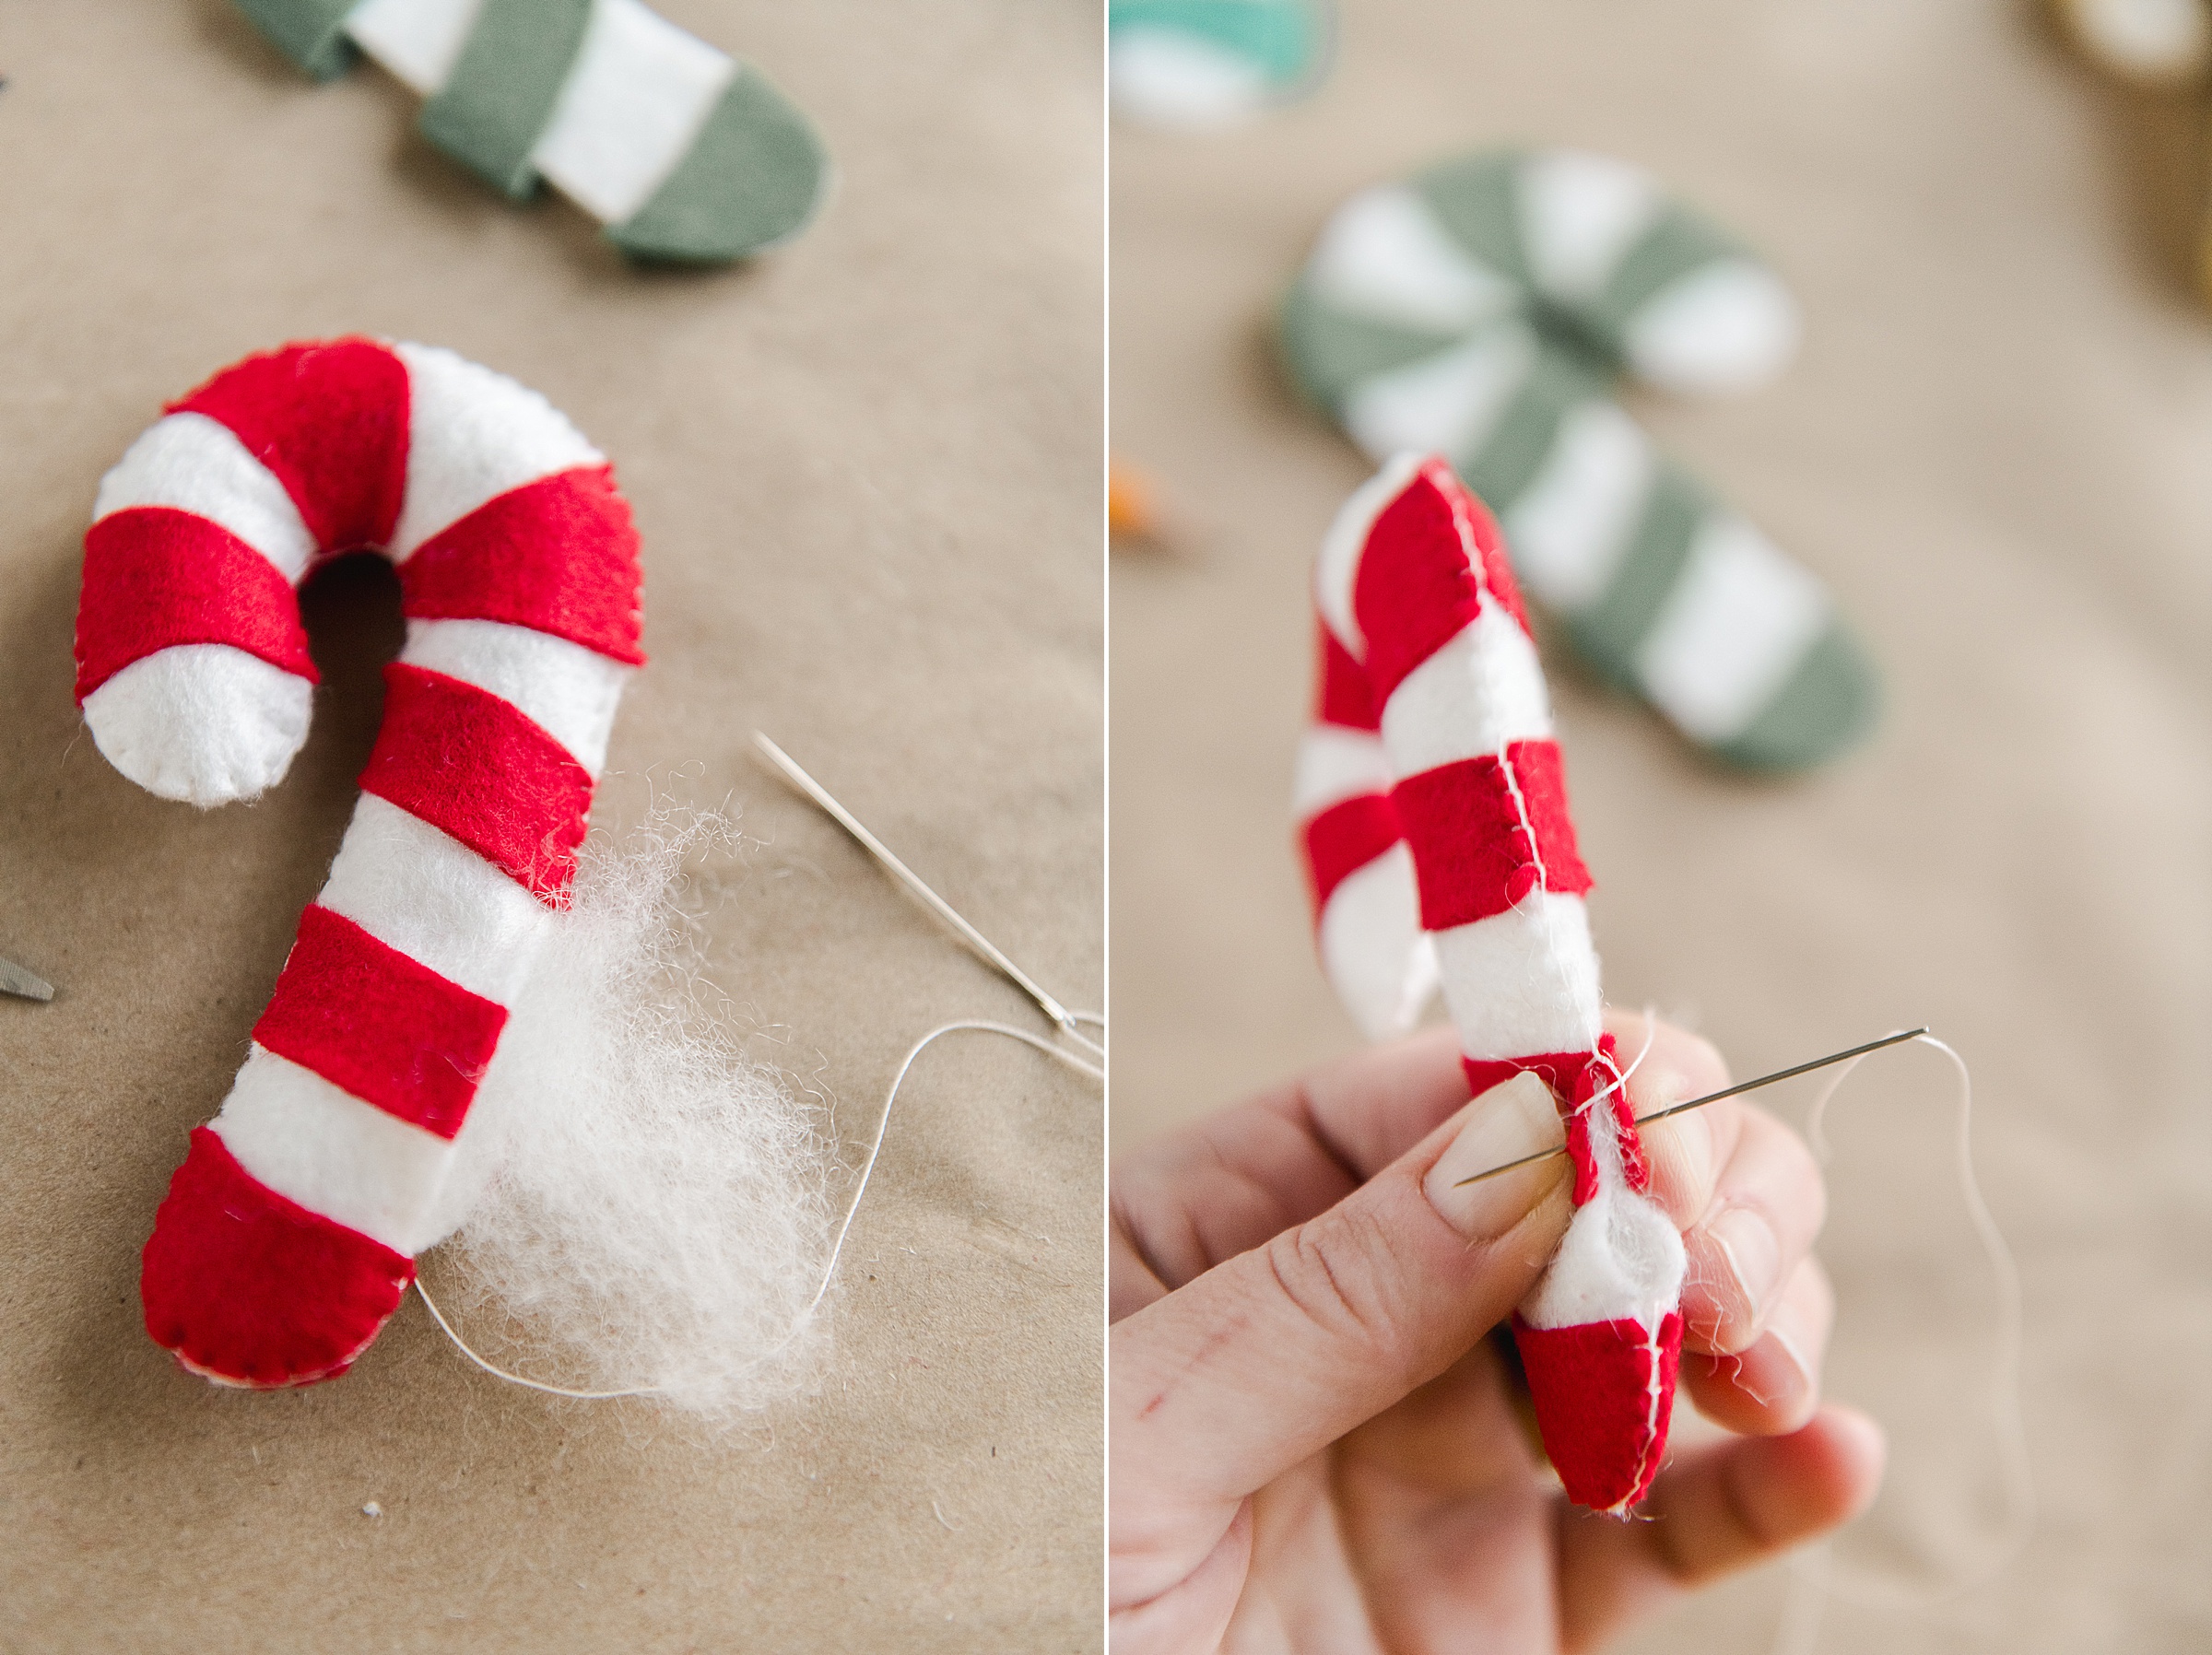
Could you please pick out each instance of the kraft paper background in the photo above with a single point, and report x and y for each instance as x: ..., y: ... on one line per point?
x: 868, y: 473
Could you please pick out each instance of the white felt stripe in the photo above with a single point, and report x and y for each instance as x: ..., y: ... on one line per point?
x: 1572, y: 524
x: 1736, y: 623
x: 418, y: 40
x: 1448, y: 402
x: 1382, y: 965
x: 202, y: 722
x: 636, y: 98
x: 1727, y: 327
x: 1383, y: 256
x: 1620, y: 1260
x: 193, y: 464
x: 473, y: 435
x: 321, y: 1146
x: 435, y: 900
x: 1479, y: 692
x: 1335, y: 763
x: 570, y: 691
x: 1523, y: 982
x: 1579, y: 213
x: 1338, y: 565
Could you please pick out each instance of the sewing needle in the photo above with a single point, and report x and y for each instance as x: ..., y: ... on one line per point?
x: 984, y: 947
x: 15, y: 979
x: 1699, y: 1103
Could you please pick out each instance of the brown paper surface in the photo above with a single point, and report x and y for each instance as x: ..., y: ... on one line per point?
x: 867, y: 475
x: 1996, y: 447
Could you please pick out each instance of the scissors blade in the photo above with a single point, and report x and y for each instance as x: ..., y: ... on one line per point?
x: 15, y: 979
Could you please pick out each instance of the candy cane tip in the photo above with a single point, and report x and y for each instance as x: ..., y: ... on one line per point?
x: 205, y: 724
x: 249, y: 1290
x: 1603, y: 1398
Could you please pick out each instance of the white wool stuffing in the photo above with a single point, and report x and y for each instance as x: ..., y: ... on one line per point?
x: 645, y: 1201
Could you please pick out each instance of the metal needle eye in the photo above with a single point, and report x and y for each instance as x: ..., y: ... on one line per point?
x: 987, y: 950
x: 15, y: 979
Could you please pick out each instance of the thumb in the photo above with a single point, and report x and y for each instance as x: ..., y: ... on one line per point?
x: 1226, y: 1383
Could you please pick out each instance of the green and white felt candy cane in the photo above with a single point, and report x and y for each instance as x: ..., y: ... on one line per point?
x: 682, y: 152
x: 1484, y: 310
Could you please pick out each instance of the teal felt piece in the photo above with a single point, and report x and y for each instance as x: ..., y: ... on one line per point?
x: 1282, y: 37
x: 1198, y: 64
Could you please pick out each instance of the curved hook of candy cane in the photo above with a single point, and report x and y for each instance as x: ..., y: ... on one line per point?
x: 192, y: 668
x: 799, y: 1322
x: 1360, y: 873
x: 288, y: 1235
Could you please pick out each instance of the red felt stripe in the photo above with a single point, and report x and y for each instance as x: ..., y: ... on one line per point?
x: 1484, y: 830
x: 1415, y: 590
x: 329, y: 419
x: 1575, y: 1078
x: 479, y: 770
x: 156, y: 577
x: 253, y: 1288
x: 559, y: 555
x: 1498, y: 578
x: 1592, y: 1387
x: 1558, y: 1070
x: 1430, y: 555
x: 378, y: 1024
x: 1342, y: 695
x: 1344, y: 839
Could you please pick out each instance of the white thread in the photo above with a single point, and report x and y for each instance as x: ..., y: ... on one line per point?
x: 883, y: 1125
x: 1814, y: 1576
x: 1651, y: 1034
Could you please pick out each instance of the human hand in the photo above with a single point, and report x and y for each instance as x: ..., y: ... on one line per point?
x: 1313, y: 1448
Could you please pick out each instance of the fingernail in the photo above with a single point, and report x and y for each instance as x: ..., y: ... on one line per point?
x: 1747, y: 1241
x: 1515, y: 1119
x: 1797, y: 1356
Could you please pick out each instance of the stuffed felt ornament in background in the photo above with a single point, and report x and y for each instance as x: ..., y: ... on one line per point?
x: 1483, y: 310
x: 288, y: 1233
x: 2163, y: 49
x: 1438, y: 844
x: 681, y: 152
x: 2162, y: 44
x: 1197, y: 63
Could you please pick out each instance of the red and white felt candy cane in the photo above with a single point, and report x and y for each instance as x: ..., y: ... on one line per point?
x: 1422, y: 620
x: 288, y: 1233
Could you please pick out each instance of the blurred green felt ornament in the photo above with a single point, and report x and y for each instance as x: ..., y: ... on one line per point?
x: 1484, y: 310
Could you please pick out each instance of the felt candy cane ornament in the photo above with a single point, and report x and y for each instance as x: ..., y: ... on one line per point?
x: 681, y: 152
x: 1483, y: 310
x: 288, y: 1233
x: 1435, y: 735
